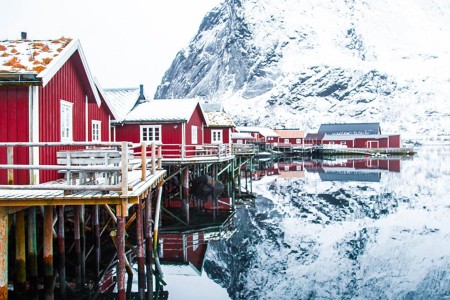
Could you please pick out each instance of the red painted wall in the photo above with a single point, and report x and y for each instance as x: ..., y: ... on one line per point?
x: 225, y: 134
x: 394, y: 141
x: 67, y: 84
x: 14, y: 127
x: 100, y: 114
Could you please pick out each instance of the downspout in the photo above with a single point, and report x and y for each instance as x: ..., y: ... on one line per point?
x: 109, y: 128
x: 33, y: 111
x: 183, y: 139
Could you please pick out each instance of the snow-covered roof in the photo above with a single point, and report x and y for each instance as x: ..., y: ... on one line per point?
x: 350, y: 128
x: 215, y: 116
x: 121, y: 101
x: 290, y: 133
x: 165, y: 110
x: 41, y: 58
x: 267, y: 132
x: 241, y: 135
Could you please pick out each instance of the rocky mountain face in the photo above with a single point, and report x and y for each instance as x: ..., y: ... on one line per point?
x: 300, y: 63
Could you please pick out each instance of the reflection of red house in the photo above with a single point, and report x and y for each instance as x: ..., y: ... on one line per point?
x: 186, y: 248
x: 218, y: 124
x: 176, y: 124
x: 47, y: 94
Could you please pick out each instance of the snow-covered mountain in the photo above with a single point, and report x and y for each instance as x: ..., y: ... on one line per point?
x: 300, y: 63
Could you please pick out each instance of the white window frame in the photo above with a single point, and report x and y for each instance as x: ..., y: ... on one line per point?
x: 298, y: 141
x: 216, y: 136
x: 286, y: 141
x: 66, y: 125
x: 153, y: 129
x: 194, y: 134
x: 96, y: 130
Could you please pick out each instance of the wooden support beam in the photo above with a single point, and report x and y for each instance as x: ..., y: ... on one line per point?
x: 148, y: 244
x: 20, y: 268
x: 143, y: 161
x: 140, y: 250
x: 3, y: 253
x: 61, y: 253
x: 32, y: 251
x: 77, y: 242
x: 83, y: 246
x: 120, y: 244
x: 96, y: 237
x: 48, y: 252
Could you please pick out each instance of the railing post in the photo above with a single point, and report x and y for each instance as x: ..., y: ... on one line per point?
x: 10, y: 161
x: 124, y: 163
x: 159, y: 157
x: 153, y: 157
x: 143, y: 161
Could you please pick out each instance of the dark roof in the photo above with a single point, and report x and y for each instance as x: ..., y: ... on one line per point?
x: 350, y: 176
x: 350, y: 128
x: 314, y: 136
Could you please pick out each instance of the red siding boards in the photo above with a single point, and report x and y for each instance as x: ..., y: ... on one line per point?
x: 99, y: 114
x: 14, y: 126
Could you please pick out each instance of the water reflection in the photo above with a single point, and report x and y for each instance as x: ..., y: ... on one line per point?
x: 306, y: 237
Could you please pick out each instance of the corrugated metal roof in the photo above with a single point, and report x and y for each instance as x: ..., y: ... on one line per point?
x: 290, y: 133
x: 166, y: 110
x: 350, y: 128
x: 25, y: 56
x: 337, y: 137
x: 267, y: 132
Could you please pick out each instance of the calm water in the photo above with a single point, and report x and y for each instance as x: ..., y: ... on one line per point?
x: 335, y: 230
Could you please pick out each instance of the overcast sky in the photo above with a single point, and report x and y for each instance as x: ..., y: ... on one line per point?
x: 126, y: 43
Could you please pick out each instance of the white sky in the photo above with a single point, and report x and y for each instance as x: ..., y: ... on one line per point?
x: 126, y: 43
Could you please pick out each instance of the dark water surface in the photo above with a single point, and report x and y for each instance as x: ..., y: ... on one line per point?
x: 331, y: 231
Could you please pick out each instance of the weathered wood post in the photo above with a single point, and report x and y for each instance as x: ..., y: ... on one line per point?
x: 32, y: 252
x: 120, y: 244
x: 48, y: 252
x: 77, y: 243
x: 143, y: 161
x: 3, y: 253
x: 140, y: 250
x: 61, y: 253
x: 96, y: 237
x: 148, y: 244
x: 21, y: 271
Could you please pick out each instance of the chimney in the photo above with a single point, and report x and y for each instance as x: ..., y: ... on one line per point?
x: 23, y: 35
x: 141, y: 93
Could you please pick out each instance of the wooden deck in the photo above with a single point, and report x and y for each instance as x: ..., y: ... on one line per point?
x: 37, y: 197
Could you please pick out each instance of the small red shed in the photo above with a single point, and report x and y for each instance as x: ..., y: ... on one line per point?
x: 47, y: 94
x: 290, y: 137
x: 176, y: 124
x: 219, y: 124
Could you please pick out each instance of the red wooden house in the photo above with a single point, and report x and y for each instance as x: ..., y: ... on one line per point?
x: 176, y: 124
x: 292, y: 137
x: 353, y: 135
x: 47, y: 94
x: 242, y: 138
x: 219, y: 124
x: 261, y: 134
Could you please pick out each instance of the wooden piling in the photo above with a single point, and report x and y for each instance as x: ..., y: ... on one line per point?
x: 3, y: 254
x: 96, y: 238
x: 77, y: 243
x: 140, y: 250
x: 148, y: 244
x: 48, y: 252
x: 20, y: 268
x: 32, y: 252
x: 120, y: 244
x: 61, y: 253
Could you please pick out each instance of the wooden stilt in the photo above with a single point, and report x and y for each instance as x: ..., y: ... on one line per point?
x: 3, y: 254
x: 32, y: 252
x: 148, y: 244
x: 120, y: 243
x: 185, y: 200
x: 61, y: 253
x: 48, y: 252
x: 20, y: 268
x: 96, y: 237
x: 140, y: 250
x: 77, y: 242
x: 83, y: 247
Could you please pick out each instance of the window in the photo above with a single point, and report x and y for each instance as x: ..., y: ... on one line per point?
x: 216, y: 136
x: 286, y: 141
x: 298, y: 141
x: 194, y: 134
x: 66, y: 121
x: 96, y: 130
x: 150, y: 133
x: 343, y: 142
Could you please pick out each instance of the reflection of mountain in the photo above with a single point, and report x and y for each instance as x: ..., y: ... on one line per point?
x: 310, y: 239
